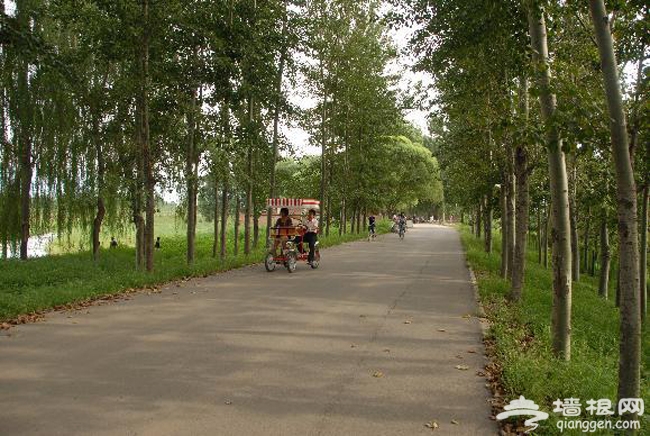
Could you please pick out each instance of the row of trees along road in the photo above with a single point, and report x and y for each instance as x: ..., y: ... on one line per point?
x: 531, y: 100
x: 105, y: 104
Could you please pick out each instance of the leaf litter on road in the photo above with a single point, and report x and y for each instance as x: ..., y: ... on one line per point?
x: 433, y: 425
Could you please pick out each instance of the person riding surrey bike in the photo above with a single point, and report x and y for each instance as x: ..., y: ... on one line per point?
x: 283, y: 228
x: 310, y: 224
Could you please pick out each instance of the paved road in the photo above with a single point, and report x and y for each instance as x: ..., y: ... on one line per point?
x: 252, y: 353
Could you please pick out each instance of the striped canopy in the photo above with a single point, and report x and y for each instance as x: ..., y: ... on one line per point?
x: 303, y: 203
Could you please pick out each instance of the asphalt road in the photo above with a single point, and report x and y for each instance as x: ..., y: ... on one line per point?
x: 368, y: 344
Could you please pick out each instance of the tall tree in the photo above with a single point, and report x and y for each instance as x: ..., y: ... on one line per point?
x: 630, y: 344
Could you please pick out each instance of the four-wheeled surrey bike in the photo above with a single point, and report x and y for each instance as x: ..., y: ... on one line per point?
x: 292, y: 248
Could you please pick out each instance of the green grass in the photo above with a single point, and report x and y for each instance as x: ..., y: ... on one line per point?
x: 523, y: 341
x: 46, y: 282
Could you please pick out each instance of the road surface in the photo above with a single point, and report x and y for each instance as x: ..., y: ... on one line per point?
x: 369, y: 344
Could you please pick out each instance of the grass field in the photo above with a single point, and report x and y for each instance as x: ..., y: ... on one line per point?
x: 523, y: 341
x: 45, y: 282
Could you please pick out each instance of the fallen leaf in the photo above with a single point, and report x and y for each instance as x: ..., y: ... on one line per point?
x: 386, y: 350
x: 471, y: 351
x: 467, y: 316
x: 5, y: 326
x: 442, y: 330
x: 377, y: 374
x: 458, y: 356
x: 432, y: 425
x: 408, y: 321
x: 362, y: 316
x: 353, y: 345
x: 453, y: 421
x: 461, y: 367
x: 227, y: 402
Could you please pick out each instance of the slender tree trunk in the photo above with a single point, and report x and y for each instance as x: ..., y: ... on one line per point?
x: 539, y: 235
x: 603, y: 282
x: 594, y: 258
x: 323, y: 155
x: 561, y: 317
x: 505, y: 268
x: 249, y: 183
x: 101, y: 209
x: 353, y: 221
x: 224, y: 218
x: 547, y: 231
x: 343, y: 225
x: 276, y: 124
x: 237, y: 212
x: 215, y: 244
x: 4, y: 173
x: 190, y: 178
x: 358, y: 215
x: 522, y: 194
x: 24, y: 138
x: 488, y: 224
x: 256, y: 229
x: 586, y: 241
x: 573, y: 211
x: 512, y: 221
x: 630, y: 345
x: 146, y: 152
x: 643, y: 270
x: 479, y: 219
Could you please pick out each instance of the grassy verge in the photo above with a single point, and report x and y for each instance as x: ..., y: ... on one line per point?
x: 521, y: 333
x: 42, y: 283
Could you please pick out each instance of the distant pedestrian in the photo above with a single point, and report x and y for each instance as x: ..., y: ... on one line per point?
x: 157, y: 243
x: 113, y: 242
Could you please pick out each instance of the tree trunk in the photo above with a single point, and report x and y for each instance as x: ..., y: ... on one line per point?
x: 586, y: 241
x: 603, y: 282
x: 236, y: 242
x: 479, y: 219
x: 248, y: 211
x: 343, y: 223
x: 522, y: 195
x: 561, y: 317
x: 358, y: 214
x: 512, y: 221
x: 630, y: 346
x: 547, y: 231
x: 573, y: 211
x: 101, y: 209
x: 215, y: 244
x: 24, y: 138
x: 224, y: 217
x: 146, y: 152
x: 276, y: 124
x: 505, y: 268
x: 643, y: 270
x: 323, y: 155
x: 256, y: 229
x: 539, y: 235
x: 191, y: 181
x: 488, y: 224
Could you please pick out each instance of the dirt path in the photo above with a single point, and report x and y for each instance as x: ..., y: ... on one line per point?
x: 356, y: 347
